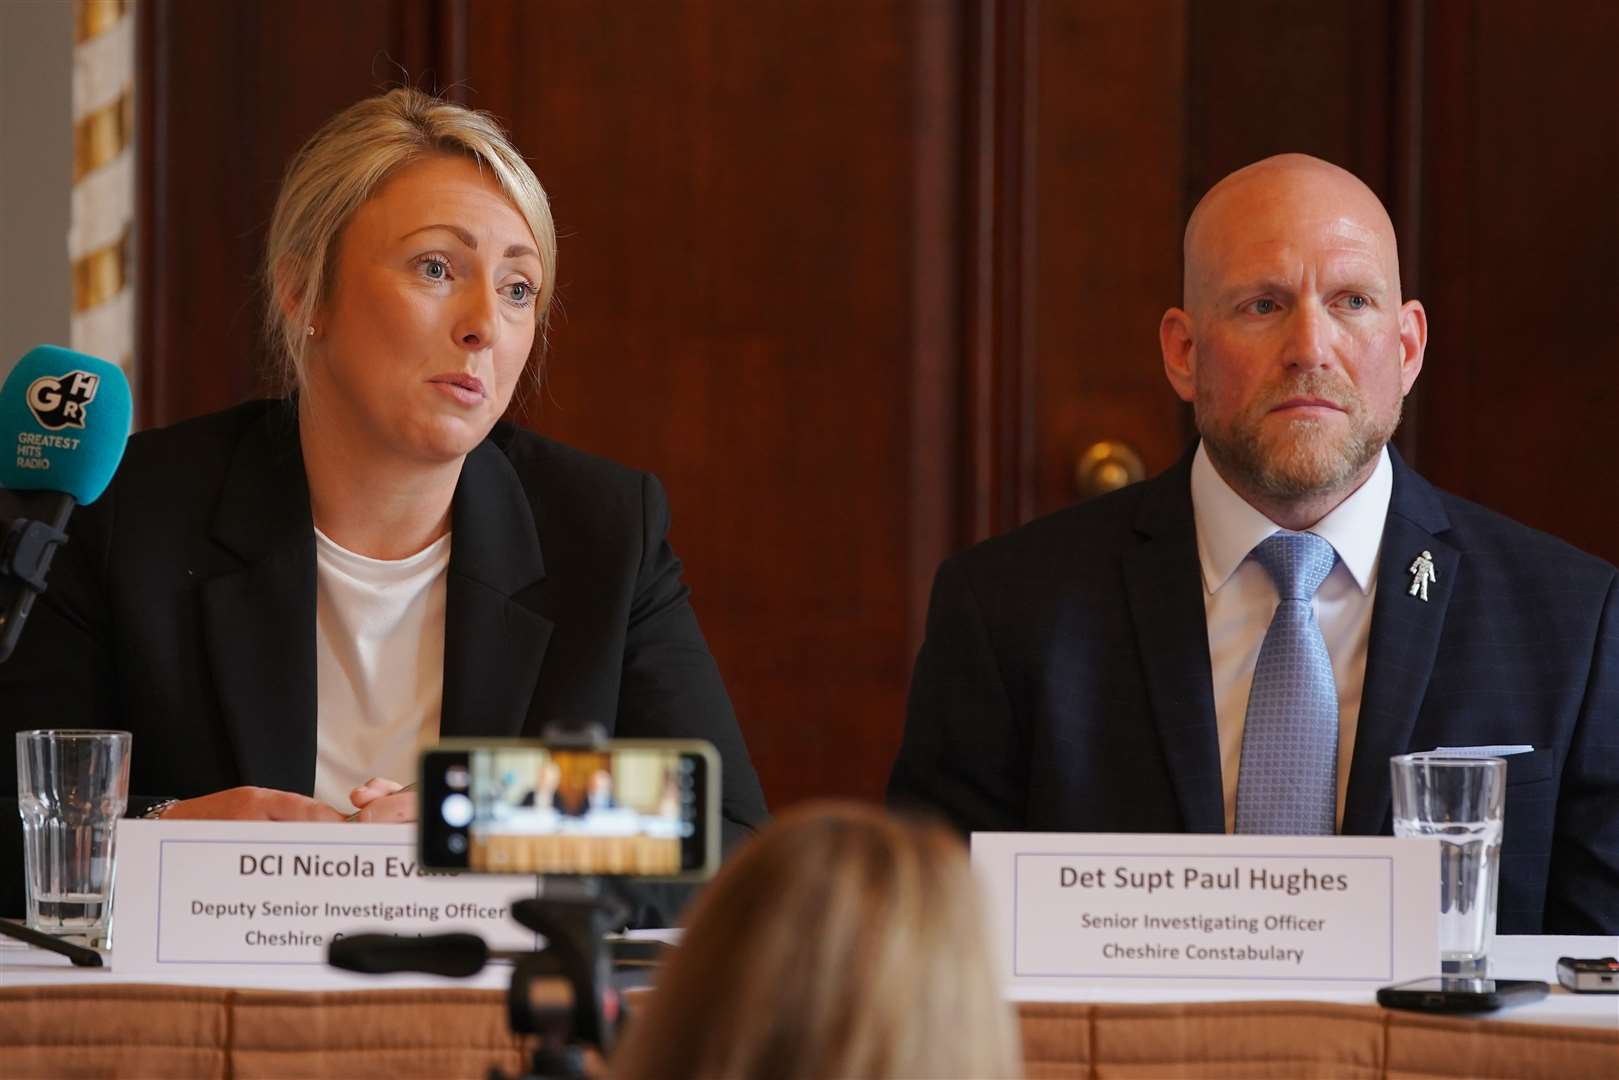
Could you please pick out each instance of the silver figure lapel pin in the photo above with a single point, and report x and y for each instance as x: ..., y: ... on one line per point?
x: 1422, y: 572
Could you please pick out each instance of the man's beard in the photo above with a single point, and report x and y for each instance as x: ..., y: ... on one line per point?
x: 1304, y: 457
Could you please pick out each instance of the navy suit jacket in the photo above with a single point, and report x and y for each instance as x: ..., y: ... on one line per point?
x: 182, y: 609
x: 1064, y: 685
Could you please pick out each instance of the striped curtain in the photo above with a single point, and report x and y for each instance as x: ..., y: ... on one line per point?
x: 100, y: 231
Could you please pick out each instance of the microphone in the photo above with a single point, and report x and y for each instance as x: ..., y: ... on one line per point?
x: 64, y: 420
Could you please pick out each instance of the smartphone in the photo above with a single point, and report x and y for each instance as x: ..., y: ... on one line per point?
x: 1452, y: 994
x: 637, y: 808
x: 1589, y: 975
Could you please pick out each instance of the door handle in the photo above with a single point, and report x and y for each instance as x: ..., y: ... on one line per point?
x: 1107, y: 466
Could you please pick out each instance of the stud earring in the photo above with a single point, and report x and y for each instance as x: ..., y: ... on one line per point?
x: 309, y: 331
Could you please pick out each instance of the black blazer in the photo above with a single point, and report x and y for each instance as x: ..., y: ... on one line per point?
x: 183, y: 610
x: 1064, y: 685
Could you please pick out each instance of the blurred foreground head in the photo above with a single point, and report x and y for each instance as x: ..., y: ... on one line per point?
x: 842, y: 942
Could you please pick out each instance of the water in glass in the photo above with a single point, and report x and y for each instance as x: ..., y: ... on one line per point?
x: 1469, y: 866
x: 70, y: 867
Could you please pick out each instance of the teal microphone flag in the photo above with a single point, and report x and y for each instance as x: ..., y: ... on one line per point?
x: 64, y: 420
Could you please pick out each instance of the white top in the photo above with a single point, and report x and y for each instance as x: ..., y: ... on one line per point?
x: 1239, y: 599
x: 379, y: 664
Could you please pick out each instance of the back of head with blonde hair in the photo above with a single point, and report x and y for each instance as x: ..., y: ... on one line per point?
x: 842, y: 942
x: 341, y: 166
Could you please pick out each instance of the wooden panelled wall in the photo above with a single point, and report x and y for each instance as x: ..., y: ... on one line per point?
x: 859, y: 279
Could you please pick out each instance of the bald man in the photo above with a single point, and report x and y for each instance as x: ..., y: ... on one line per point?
x: 1106, y: 669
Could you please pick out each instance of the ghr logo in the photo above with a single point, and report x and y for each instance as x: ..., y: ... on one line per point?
x: 59, y: 402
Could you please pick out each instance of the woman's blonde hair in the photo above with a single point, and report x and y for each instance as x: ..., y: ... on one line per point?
x: 842, y: 942
x: 341, y: 166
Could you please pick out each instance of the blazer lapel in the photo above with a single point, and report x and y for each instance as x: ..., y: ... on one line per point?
x: 1164, y: 585
x: 1403, y: 642
x: 259, y: 617
x: 494, y: 643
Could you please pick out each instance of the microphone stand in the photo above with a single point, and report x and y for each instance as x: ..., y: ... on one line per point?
x: 572, y: 916
x: 27, y: 545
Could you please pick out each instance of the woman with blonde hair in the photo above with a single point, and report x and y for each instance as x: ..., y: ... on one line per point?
x: 842, y: 942
x: 286, y: 600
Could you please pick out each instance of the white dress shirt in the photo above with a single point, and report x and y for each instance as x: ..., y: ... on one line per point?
x: 1239, y: 600
x: 379, y: 664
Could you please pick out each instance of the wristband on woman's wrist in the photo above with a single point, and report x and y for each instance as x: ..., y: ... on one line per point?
x: 157, y: 810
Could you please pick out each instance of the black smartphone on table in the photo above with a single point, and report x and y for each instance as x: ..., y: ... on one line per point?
x: 1458, y: 994
x: 639, y: 808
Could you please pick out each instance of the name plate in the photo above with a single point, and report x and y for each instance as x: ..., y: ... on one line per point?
x: 1205, y: 910
x: 258, y: 892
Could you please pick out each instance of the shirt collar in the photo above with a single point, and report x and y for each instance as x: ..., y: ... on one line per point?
x: 1228, y: 528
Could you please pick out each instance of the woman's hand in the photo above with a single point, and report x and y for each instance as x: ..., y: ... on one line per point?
x: 251, y: 804
x: 380, y: 799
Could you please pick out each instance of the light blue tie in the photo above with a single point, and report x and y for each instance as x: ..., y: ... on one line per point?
x: 1288, y: 784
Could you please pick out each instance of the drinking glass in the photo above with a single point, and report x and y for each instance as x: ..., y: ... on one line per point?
x: 1458, y: 799
x: 72, y: 787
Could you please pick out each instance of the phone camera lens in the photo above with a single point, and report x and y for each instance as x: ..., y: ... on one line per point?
x: 456, y: 811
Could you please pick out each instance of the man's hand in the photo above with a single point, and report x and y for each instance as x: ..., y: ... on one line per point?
x: 251, y: 804
x: 380, y: 799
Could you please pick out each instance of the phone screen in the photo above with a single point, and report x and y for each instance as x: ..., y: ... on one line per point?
x: 630, y: 808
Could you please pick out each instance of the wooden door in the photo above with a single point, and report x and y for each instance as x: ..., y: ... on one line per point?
x: 760, y: 229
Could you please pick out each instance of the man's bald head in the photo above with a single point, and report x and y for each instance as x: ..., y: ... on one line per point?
x: 1277, y: 197
x: 1293, y: 344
